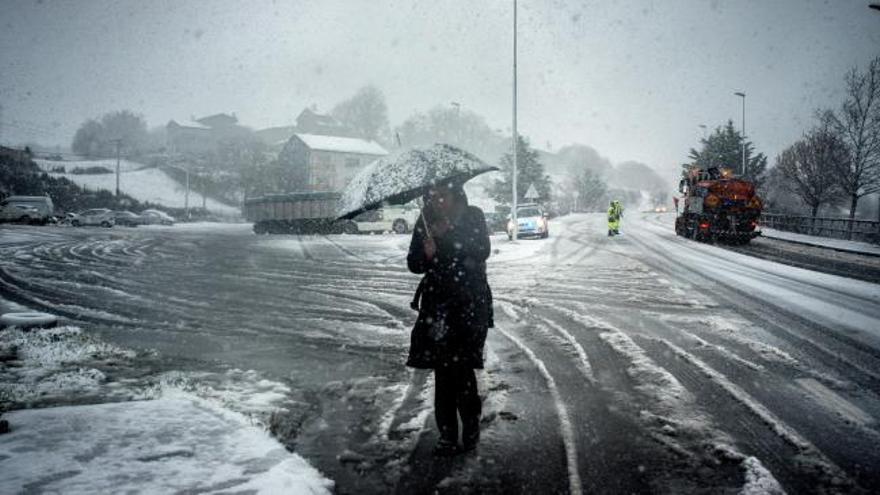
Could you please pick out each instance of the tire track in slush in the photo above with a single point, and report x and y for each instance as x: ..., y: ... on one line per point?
x: 791, y: 473
x: 676, y: 419
x: 565, y: 425
x: 826, y: 346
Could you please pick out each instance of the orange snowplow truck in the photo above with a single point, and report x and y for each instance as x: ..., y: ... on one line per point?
x: 718, y: 207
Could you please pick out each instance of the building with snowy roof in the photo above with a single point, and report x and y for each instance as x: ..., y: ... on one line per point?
x: 309, y: 121
x: 201, y: 135
x: 315, y: 162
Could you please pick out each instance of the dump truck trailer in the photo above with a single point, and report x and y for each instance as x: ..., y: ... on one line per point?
x: 297, y: 213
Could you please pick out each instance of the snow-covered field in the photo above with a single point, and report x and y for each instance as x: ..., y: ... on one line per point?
x: 143, y: 184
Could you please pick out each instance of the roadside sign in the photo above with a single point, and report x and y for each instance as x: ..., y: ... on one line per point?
x: 532, y: 193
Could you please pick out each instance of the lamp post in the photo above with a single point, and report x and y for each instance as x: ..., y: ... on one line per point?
x: 513, y: 219
x: 704, y: 128
x: 118, y: 145
x: 457, y: 106
x: 743, y: 96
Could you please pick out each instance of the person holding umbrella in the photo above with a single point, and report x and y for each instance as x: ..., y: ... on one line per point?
x: 450, y: 245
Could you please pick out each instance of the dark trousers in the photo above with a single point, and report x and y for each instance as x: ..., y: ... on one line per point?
x: 455, y: 394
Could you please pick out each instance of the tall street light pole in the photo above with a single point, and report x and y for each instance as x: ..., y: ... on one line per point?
x: 743, y: 96
x: 457, y: 106
x: 118, y: 145
x: 515, y: 135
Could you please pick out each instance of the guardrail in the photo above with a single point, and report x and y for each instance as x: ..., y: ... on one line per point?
x: 838, y: 228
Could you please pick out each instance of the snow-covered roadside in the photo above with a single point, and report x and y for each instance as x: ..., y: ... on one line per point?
x: 831, y: 300
x: 810, y: 240
x: 173, y: 444
x: 173, y: 431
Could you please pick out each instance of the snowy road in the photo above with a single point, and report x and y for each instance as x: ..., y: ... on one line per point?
x: 643, y: 362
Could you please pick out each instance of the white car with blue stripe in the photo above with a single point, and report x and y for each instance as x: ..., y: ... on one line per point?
x: 532, y: 222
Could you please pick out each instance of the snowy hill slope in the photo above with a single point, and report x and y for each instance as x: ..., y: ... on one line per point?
x: 143, y: 184
x: 109, y: 164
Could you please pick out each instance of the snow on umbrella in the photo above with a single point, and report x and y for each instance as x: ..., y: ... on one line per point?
x: 400, y: 178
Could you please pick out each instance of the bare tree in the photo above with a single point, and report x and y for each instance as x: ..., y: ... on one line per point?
x: 591, y: 191
x: 857, y: 122
x: 808, y: 167
x: 366, y: 113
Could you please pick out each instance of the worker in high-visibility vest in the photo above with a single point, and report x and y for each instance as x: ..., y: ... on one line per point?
x: 615, y: 211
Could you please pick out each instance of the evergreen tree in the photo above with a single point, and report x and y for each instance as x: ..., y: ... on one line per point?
x: 529, y: 171
x: 723, y: 149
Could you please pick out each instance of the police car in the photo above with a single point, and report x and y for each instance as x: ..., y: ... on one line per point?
x: 532, y: 222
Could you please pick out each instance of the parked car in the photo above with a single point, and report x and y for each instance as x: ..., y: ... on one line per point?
x: 532, y: 222
x: 19, y: 213
x: 95, y: 216
x: 154, y: 217
x: 127, y: 218
x: 397, y: 219
x: 37, y: 209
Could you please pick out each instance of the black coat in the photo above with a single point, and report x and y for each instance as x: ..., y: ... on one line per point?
x: 454, y: 291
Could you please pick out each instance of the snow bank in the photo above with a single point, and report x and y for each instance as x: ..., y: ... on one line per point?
x: 200, y: 431
x: 838, y: 244
x: 243, y: 392
x: 53, y: 363
x: 759, y: 481
x: 167, y: 445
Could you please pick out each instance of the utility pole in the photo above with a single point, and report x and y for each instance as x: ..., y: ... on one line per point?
x: 743, y: 96
x: 515, y: 135
x: 186, y: 196
x: 457, y: 106
x: 118, y: 145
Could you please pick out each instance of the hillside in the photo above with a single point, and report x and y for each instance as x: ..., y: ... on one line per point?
x: 143, y: 184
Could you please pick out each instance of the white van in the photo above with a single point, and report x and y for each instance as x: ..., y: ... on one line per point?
x: 39, y: 208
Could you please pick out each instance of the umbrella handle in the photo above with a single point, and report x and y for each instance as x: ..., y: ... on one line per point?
x: 424, y: 221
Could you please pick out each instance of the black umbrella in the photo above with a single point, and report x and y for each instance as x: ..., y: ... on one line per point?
x: 401, y: 178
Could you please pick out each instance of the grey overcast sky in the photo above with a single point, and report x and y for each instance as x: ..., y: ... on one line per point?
x: 633, y: 79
